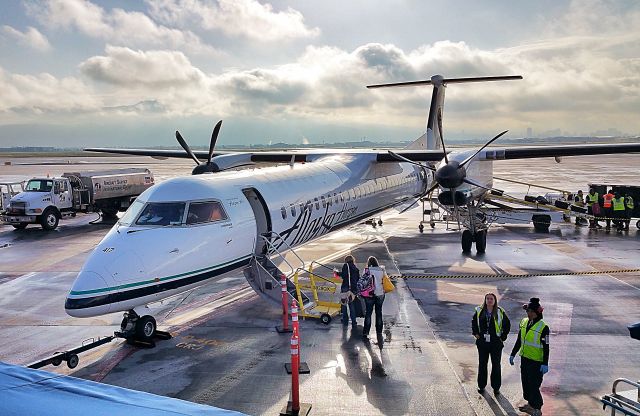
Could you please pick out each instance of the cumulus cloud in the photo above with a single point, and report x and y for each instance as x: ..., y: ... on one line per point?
x: 116, y: 26
x: 128, y: 68
x: 235, y: 18
x: 31, y: 37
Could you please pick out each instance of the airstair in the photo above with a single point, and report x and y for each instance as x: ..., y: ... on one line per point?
x: 624, y: 403
x: 303, y: 284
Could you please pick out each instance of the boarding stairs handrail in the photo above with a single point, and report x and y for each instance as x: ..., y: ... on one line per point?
x: 270, y: 238
x: 621, y: 403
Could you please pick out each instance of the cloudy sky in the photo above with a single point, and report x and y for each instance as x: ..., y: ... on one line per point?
x: 129, y: 73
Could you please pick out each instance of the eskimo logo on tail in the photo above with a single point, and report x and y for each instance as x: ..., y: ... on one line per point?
x: 432, y: 138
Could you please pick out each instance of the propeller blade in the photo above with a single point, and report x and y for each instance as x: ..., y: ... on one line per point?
x: 444, y: 149
x: 474, y: 183
x: 186, y: 147
x: 214, y: 139
x: 482, y: 148
x: 404, y: 159
x: 427, y: 192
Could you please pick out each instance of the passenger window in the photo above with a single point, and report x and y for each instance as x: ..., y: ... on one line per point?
x: 324, y: 202
x: 293, y: 210
x: 283, y: 210
x: 335, y: 197
x: 317, y: 203
x: 201, y: 212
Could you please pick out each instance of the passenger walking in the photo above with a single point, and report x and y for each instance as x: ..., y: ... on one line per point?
x: 490, y: 326
x: 349, y: 288
x: 592, y: 207
x: 607, y: 202
x: 370, y: 287
x: 533, y: 345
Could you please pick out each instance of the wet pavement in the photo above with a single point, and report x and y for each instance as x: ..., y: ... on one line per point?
x: 226, y: 352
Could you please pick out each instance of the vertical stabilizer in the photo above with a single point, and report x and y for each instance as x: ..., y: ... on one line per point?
x: 433, y: 138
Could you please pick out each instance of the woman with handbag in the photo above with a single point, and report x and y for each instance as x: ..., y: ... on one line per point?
x: 350, y: 275
x: 372, y: 291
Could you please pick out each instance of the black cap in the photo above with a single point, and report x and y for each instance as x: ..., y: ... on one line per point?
x: 534, y: 305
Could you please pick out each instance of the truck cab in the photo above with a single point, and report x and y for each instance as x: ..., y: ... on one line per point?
x: 7, y: 191
x: 43, y: 201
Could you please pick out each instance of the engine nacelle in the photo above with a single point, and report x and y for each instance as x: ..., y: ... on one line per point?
x: 456, y: 198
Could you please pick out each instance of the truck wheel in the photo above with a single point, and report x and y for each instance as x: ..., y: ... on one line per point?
x: 109, y: 213
x: 49, y: 219
x: 20, y: 226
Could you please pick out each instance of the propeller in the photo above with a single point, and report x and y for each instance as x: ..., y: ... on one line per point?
x: 202, y: 167
x: 450, y: 175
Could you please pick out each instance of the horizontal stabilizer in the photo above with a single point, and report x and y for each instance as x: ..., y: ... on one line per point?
x: 447, y: 81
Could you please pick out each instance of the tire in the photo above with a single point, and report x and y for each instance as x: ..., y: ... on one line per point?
x: 56, y: 362
x: 49, y: 219
x: 20, y: 226
x: 109, y: 213
x: 73, y: 360
x: 638, y: 224
x: 380, y: 223
x: 432, y: 224
x: 421, y: 227
x: 481, y: 241
x: 467, y: 241
x: 325, y: 318
x: 145, y: 328
x: 541, y: 223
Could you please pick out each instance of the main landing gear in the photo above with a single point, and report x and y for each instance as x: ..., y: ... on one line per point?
x: 479, y: 237
x: 140, y: 330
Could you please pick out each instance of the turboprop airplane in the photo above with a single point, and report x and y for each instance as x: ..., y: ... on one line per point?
x: 189, y: 230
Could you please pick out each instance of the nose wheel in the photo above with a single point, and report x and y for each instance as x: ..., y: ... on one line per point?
x: 140, y: 330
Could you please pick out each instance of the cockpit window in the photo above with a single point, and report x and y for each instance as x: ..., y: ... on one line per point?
x: 131, y: 213
x: 162, y: 213
x: 201, y: 212
x: 39, y: 185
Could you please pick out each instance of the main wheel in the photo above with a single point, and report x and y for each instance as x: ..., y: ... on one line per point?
x: 145, y: 327
x: 20, y: 226
x: 481, y: 241
x: 49, y: 219
x: 467, y: 241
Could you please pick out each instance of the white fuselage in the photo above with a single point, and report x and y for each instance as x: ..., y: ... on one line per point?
x: 136, y: 264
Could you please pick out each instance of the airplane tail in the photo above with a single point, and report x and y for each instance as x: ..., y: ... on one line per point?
x: 432, y: 139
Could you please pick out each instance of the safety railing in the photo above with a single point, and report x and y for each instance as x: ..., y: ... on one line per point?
x: 272, y: 238
x: 620, y: 403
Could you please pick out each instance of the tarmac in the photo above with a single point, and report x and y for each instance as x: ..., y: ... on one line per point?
x: 225, y: 350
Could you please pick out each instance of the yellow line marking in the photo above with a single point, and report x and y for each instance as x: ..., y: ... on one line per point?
x: 506, y: 275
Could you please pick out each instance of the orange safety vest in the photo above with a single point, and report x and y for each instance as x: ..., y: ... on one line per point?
x: 607, y: 200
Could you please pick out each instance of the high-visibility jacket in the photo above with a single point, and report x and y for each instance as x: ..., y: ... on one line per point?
x: 592, y: 199
x: 629, y: 202
x: 606, y: 200
x: 618, y: 204
x: 497, y: 322
x: 531, y: 340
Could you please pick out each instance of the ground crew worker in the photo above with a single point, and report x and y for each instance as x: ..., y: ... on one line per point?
x: 619, y: 211
x: 628, y: 202
x: 490, y: 326
x: 592, y: 199
x: 579, y: 202
x: 607, y: 205
x: 533, y: 345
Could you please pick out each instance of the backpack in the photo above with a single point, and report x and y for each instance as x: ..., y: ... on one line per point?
x: 365, y: 284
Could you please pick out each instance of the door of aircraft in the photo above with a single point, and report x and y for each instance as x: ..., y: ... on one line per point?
x: 261, y: 214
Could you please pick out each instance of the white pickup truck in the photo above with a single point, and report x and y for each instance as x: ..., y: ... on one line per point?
x: 46, y: 201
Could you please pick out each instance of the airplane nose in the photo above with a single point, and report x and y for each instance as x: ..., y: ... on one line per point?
x: 88, y: 296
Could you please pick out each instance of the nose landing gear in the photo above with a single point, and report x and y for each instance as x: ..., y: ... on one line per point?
x: 140, y: 330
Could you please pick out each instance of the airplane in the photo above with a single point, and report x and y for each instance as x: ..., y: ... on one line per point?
x: 230, y: 215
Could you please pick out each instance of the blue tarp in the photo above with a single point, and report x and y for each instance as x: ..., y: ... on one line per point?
x: 24, y: 391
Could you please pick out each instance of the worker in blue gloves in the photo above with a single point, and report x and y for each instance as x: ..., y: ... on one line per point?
x: 533, y: 345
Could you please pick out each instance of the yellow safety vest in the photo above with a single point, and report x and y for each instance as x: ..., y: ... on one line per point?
x: 618, y: 204
x: 497, y: 322
x: 531, y: 340
x: 629, y: 202
x: 591, y: 199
